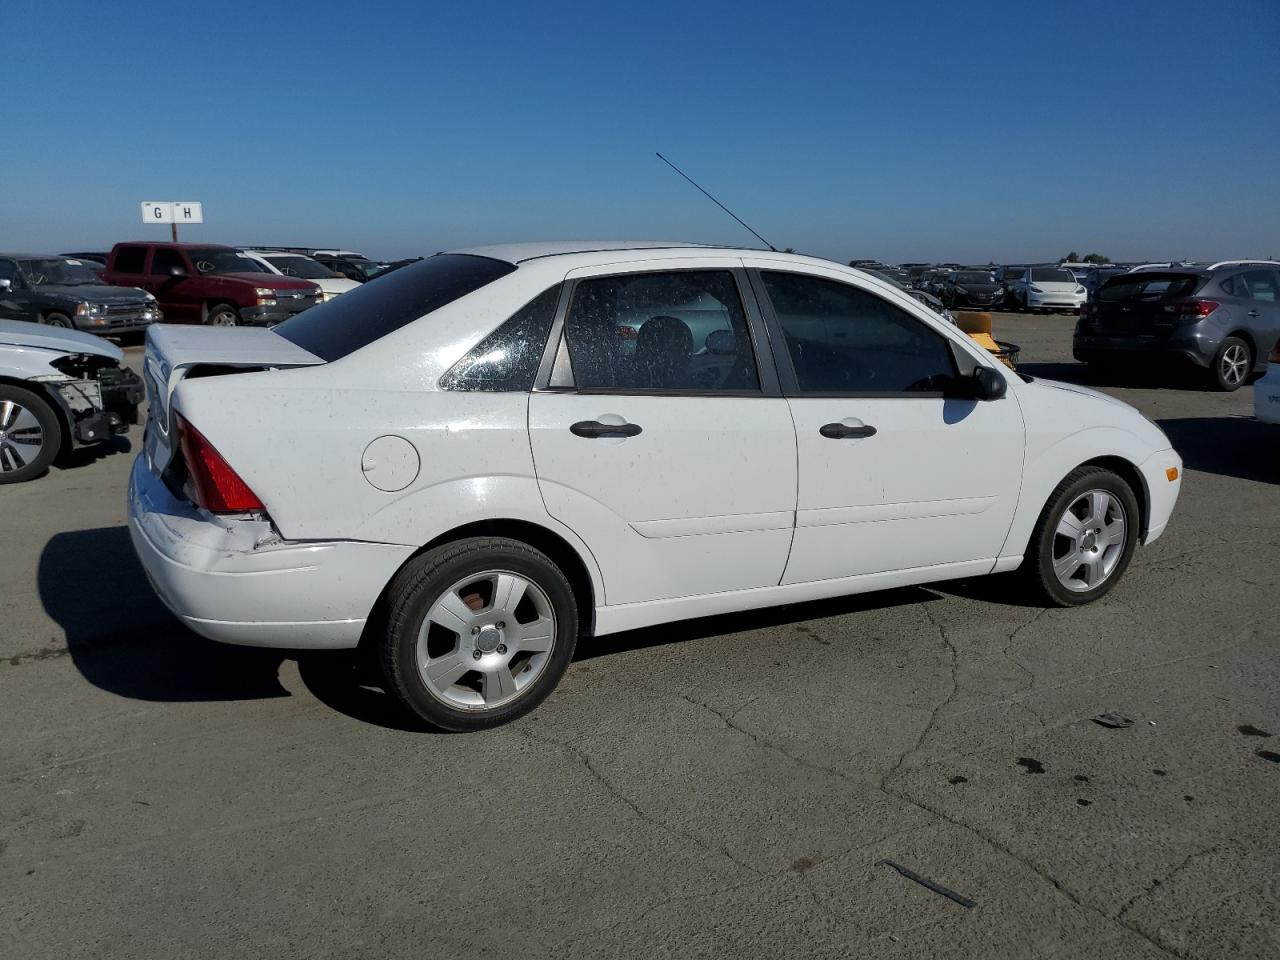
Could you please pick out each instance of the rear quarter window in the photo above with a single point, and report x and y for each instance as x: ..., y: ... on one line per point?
x: 356, y: 319
x: 129, y: 259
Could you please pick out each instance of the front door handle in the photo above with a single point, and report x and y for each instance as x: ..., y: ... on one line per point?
x: 591, y: 429
x: 844, y: 431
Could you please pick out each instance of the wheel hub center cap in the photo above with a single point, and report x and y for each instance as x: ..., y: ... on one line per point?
x: 1089, y: 541
x: 488, y: 639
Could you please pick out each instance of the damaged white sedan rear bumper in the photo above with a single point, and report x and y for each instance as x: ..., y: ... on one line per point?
x: 234, y: 580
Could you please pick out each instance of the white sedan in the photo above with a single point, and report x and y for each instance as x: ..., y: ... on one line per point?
x: 287, y: 264
x: 491, y: 453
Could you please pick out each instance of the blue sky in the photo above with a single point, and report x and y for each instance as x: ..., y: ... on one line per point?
x: 912, y: 131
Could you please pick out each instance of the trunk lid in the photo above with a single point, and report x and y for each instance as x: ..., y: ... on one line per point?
x: 174, y: 352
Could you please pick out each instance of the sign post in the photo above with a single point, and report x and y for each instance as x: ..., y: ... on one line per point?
x: 172, y: 212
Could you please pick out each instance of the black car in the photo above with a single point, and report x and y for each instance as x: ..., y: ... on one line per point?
x: 974, y: 289
x: 67, y: 292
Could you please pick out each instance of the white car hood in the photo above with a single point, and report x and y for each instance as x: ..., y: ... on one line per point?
x: 1083, y: 391
x: 335, y: 285
x: 19, y: 333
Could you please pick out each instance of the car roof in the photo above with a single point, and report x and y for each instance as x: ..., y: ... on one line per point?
x: 176, y: 246
x: 521, y: 252
x: 36, y: 256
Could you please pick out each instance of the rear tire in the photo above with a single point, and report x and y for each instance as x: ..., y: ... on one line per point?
x: 1232, y: 365
x: 477, y: 633
x: 30, y: 435
x: 222, y: 315
x: 1084, y: 539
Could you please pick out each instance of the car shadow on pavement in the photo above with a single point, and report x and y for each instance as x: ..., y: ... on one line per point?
x: 77, y: 457
x: 1239, y: 447
x: 123, y: 640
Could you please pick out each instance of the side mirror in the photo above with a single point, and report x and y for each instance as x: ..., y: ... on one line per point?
x: 6, y: 284
x: 721, y: 342
x: 988, y: 384
x: 177, y: 271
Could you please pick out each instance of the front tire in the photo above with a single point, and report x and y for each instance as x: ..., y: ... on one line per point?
x: 30, y: 436
x: 223, y: 315
x: 478, y: 632
x: 1232, y: 365
x: 1084, y: 539
x: 59, y: 320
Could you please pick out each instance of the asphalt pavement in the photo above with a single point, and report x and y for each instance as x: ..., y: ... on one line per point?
x: 729, y: 787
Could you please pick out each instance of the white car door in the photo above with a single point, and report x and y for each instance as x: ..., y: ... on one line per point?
x: 661, y: 438
x: 893, y: 474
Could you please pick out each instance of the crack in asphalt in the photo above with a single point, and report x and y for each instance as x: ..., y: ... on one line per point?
x: 1161, y: 881
x: 585, y: 759
x: 933, y: 715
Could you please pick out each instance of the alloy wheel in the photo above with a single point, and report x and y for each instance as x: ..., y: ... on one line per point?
x: 1235, y: 363
x: 1089, y: 540
x: 485, y: 640
x: 21, y: 436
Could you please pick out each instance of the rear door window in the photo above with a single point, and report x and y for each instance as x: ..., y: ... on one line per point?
x: 356, y: 319
x: 130, y: 259
x: 683, y: 331
x: 1261, y: 285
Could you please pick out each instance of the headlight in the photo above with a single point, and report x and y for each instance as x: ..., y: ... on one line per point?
x: 90, y: 309
x: 1034, y: 289
x: 265, y: 291
x: 1080, y: 289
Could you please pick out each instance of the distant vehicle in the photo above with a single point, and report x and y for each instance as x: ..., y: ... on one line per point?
x: 304, y: 268
x: 96, y: 257
x: 971, y: 289
x: 469, y: 463
x: 1224, y: 319
x: 350, y: 265
x: 210, y: 284
x: 1097, y: 276
x: 928, y: 299
x: 1266, y: 392
x: 395, y: 265
x: 58, y: 388
x: 869, y: 265
x: 66, y: 292
x: 1046, y: 288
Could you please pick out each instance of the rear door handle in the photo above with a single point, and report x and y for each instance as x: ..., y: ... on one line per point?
x: 843, y: 431
x: 591, y: 429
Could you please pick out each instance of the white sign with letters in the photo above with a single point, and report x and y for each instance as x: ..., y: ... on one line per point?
x: 172, y: 211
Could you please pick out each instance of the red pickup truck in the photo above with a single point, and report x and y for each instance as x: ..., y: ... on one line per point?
x: 207, y: 283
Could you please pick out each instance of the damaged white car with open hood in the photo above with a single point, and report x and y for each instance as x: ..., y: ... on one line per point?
x: 59, y: 388
x: 482, y: 457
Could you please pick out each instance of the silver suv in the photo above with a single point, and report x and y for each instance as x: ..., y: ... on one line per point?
x: 1224, y: 318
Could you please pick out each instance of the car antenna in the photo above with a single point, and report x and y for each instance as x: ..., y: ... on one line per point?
x: 716, y: 202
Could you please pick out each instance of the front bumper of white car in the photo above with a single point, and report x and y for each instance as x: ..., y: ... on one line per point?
x: 1056, y: 301
x: 1162, y: 475
x: 232, y: 579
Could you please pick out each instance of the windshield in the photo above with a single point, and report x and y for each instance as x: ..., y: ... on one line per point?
x: 1051, y: 275
x: 974, y: 276
x: 356, y: 319
x: 303, y: 267
x: 70, y: 273
x: 367, y: 267
x: 225, y: 261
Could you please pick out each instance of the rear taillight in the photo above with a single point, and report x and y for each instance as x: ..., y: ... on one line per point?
x: 1198, y: 308
x: 218, y: 488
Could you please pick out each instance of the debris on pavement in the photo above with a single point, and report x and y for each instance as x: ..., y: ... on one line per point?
x: 929, y: 884
x: 1116, y: 721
